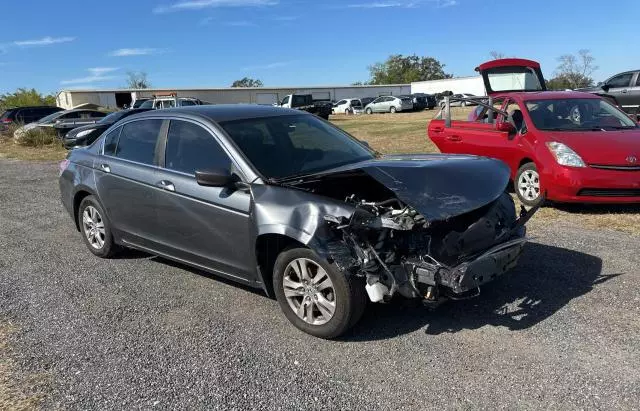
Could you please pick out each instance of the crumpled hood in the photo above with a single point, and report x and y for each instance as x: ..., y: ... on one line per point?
x: 438, y: 186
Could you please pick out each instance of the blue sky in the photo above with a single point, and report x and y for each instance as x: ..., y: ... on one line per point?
x: 53, y: 45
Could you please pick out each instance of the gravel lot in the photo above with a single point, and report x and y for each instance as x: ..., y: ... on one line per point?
x: 561, y: 332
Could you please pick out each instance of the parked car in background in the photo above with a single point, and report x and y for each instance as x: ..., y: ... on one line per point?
x: 366, y: 100
x: 348, y: 106
x: 305, y: 102
x: 458, y: 100
x: 63, y: 121
x: 84, y: 136
x: 281, y: 200
x: 624, y: 87
x: 562, y: 146
x: 139, y: 102
x: 25, y: 115
x: 422, y: 101
x: 161, y: 102
x: 389, y: 104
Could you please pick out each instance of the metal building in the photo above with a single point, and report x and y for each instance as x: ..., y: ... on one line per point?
x: 113, y: 98
x: 472, y: 85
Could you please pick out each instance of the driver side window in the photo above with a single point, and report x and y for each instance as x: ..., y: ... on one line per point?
x: 516, y: 117
x: 285, y: 100
x: 621, y: 80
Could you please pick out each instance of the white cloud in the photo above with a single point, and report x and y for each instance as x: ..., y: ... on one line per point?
x: 206, y: 21
x: 381, y: 5
x: 447, y: 3
x: 96, y: 75
x: 126, y: 52
x: 45, y: 41
x: 202, y: 4
x: 269, y: 66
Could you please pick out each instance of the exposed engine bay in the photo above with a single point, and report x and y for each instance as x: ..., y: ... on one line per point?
x: 399, y: 250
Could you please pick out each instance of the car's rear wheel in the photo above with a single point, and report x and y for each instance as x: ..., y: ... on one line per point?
x: 392, y: 110
x: 369, y: 111
x: 314, y: 296
x: 527, y: 185
x: 96, y: 228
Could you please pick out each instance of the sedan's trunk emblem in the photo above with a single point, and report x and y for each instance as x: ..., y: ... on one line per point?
x: 632, y: 159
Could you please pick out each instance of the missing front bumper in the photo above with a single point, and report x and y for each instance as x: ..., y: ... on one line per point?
x: 463, y: 279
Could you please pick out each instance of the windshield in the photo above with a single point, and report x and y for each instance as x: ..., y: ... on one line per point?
x: 113, y: 117
x: 51, y: 117
x: 577, y: 114
x: 287, y: 146
x: 146, y: 104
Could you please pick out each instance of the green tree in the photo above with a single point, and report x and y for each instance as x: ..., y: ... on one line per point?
x: 25, y: 97
x: 575, y: 71
x: 559, y: 82
x: 405, y: 69
x: 247, y: 82
x: 137, y: 80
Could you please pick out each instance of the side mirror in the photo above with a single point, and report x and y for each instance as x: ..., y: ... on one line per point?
x: 214, y: 178
x: 505, y: 126
x: 605, y: 87
x: 365, y: 143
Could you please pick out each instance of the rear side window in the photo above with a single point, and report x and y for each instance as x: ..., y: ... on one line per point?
x: 111, y: 141
x: 185, y: 103
x: 137, y: 141
x: 191, y: 148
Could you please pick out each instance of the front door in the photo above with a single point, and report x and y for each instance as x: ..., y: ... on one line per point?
x: 619, y: 87
x: 208, y: 226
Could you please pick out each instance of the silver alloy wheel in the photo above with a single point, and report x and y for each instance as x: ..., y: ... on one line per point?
x: 529, y: 185
x: 93, y: 226
x: 309, y: 291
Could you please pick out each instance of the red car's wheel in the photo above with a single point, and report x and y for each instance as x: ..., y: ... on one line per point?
x: 527, y: 185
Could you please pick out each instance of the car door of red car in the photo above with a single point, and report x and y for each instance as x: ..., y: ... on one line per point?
x: 481, y: 137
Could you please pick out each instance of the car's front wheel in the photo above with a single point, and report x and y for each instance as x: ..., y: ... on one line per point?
x: 527, y: 185
x: 314, y: 296
x: 369, y: 111
x: 392, y: 110
x: 95, y: 228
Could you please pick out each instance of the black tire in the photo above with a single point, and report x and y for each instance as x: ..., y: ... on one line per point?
x: 528, y: 174
x: 393, y: 110
x: 369, y: 111
x: 350, y: 298
x: 108, y: 248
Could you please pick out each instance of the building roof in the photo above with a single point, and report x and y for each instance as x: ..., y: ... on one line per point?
x: 223, y: 112
x: 169, y: 90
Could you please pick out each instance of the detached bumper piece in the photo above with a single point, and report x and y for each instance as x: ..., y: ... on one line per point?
x: 464, y: 280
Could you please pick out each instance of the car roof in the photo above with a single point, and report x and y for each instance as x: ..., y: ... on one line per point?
x: 547, y: 95
x: 223, y: 112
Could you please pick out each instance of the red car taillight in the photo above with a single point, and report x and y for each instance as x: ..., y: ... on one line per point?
x: 6, y: 121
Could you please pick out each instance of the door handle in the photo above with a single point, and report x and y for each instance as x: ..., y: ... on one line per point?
x: 166, y: 185
x: 438, y: 129
x: 454, y: 138
x: 624, y: 90
x: 105, y: 168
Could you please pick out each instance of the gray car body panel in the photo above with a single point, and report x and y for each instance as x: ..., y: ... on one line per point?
x: 439, y: 186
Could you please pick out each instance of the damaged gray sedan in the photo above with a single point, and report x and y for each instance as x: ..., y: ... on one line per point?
x: 284, y: 201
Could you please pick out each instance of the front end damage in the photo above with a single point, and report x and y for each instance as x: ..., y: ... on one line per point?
x: 430, y: 238
x: 398, y: 251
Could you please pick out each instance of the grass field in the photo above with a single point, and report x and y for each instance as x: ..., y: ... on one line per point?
x: 407, y: 133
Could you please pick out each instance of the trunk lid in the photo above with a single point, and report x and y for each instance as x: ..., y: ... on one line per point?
x: 512, y: 74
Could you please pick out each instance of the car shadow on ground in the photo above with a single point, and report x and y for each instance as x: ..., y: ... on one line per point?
x: 546, y: 279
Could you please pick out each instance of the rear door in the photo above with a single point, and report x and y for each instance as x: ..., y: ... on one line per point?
x: 208, y: 226
x: 126, y: 177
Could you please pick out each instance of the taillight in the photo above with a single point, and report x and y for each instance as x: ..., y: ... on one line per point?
x: 6, y: 121
x: 63, y: 166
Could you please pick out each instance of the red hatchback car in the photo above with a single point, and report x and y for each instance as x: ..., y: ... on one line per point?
x: 565, y: 146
